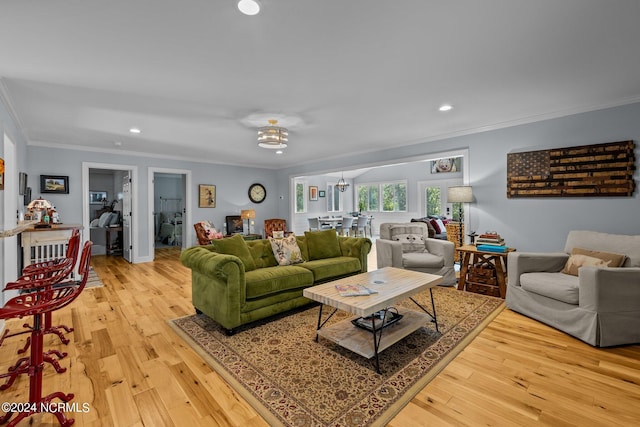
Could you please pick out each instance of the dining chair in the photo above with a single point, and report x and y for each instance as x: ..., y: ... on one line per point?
x: 360, y: 226
x: 314, y: 224
x: 345, y: 225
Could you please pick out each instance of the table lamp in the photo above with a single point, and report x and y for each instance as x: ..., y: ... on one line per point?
x: 249, y: 215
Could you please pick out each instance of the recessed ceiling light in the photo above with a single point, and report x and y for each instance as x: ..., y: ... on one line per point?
x: 117, y: 143
x: 279, y: 152
x: 445, y: 107
x: 134, y: 130
x: 249, y: 7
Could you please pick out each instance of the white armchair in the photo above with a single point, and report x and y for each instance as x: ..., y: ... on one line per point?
x: 601, y: 305
x: 408, y: 246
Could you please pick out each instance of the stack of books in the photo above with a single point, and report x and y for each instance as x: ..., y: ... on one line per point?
x: 490, y: 239
x: 490, y: 242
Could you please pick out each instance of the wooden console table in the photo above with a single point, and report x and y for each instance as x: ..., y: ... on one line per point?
x: 471, y: 256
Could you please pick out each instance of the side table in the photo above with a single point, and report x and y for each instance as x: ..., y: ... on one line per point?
x: 114, y: 248
x: 470, y: 255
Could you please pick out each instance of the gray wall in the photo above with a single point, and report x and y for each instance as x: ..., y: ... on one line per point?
x: 535, y: 224
x: 528, y: 224
x: 232, y: 184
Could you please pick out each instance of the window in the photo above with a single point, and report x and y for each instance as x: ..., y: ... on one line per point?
x: 433, y: 201
x: 368, y: 197
x: 300, y: 199
x: 334, y: 198
x: 394, y: 197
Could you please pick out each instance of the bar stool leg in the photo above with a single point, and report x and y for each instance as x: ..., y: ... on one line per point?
x: 36, y: 366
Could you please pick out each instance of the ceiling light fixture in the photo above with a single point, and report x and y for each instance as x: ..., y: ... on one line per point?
x: 272, y: 136
x: 249, y: 7
x: 134, y: 130
x: 342, y: 184
x: 445, y: 107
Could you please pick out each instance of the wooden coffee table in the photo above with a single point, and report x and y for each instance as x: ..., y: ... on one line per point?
x: 393, y: 285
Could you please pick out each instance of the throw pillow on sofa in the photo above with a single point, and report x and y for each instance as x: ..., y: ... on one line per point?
x: 411, y: 238
x: 286, y: 250
x: 583, y: 257
x: 235, y: 245
x: 322, y: 244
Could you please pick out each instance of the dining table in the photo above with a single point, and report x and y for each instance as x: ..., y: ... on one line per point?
x: 332, y: 221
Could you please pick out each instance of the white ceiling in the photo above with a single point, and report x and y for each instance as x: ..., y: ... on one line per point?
x: 347, y: 76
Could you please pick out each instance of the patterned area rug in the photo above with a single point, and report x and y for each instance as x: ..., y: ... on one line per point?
x: 292, y: 380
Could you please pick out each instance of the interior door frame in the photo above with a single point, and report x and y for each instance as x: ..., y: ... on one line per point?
x: 187, y: 228
x: 135, y: 217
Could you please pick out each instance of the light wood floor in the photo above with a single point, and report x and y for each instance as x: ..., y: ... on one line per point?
x: 132, y: 370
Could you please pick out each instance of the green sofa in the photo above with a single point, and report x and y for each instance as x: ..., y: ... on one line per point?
x: 236, y: 282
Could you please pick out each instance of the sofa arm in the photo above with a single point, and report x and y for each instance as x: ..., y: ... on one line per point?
x: 530, y: 262
x: 609, y: 290
x: 443, y: 248
x: 388, y: 253
x: 208, y: 262
x: 356, y: 247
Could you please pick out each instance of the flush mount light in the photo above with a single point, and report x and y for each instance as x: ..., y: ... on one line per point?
x: 273, y: 136
x: 445, y: 107
x: 249, y: 7
x: 134, y: 130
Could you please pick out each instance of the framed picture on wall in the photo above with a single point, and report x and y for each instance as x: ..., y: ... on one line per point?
x: 96, y: 197
x: 207, y: 196
x: 321, y: 193
x: 446, y: 165
x: 313, y: 192
x: 54, y: 184
x: 23, y: 184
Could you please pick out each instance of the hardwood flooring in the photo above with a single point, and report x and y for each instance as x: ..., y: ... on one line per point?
x: 127, y: 364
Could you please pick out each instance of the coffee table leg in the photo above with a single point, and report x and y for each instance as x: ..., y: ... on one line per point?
x: 433, y: 307
x: 377, y: 337
x: 320, y: 322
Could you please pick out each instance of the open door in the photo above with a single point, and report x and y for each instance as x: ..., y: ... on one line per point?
x: 126, y: 218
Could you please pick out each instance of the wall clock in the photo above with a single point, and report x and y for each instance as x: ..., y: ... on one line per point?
x: 257, y: 193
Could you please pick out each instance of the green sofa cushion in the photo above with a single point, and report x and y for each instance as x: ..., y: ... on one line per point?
x: 269, y: 280
x: 262, y: 253
x: 332, y: 268
x: 302, y: 244
x: 322, y: 244
x: 236, y: 245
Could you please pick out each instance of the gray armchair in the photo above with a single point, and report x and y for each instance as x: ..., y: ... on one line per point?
x: 601, y: 305
x: 407, y: 245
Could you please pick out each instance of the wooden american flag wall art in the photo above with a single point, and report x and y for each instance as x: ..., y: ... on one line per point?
x: 599, y: 170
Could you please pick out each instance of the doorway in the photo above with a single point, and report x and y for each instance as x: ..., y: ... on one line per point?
x: 109, y: 209
x: 169, y: 214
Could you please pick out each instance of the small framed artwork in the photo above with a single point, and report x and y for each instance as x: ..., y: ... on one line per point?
x: 207, y: 196
x: 23, y: 184
x: 321, y: 193
x: 313, y: 192
x: 96, y: 197
x: 446, y: 165
x: 54, y: 184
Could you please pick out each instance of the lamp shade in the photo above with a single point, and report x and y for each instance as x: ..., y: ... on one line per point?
x: 248, y: 214
x: 460, y: 194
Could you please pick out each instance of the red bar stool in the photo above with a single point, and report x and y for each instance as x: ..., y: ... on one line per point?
x: 41, y: 280
x: 37, y: 304
x: 57, y: 269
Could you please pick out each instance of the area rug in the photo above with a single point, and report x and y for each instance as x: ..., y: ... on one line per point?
x: 291, y: 380
x: 93, y: 281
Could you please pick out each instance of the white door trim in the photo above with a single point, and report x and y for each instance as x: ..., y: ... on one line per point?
x: 135, y: 218
x: 187, y: 234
